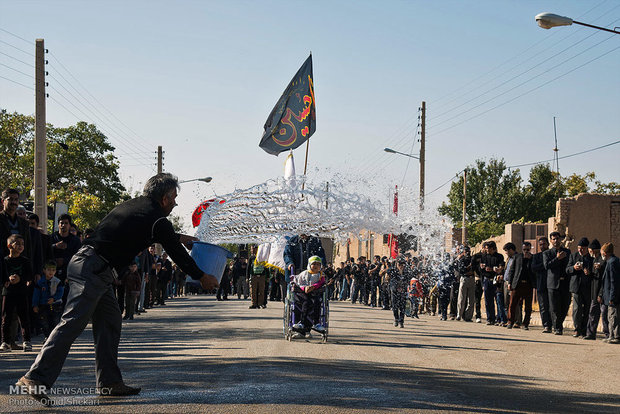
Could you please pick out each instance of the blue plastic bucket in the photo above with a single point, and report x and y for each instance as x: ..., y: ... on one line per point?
x: 210, y: 258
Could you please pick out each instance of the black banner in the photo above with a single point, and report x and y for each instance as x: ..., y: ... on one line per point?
x: 293, y: 120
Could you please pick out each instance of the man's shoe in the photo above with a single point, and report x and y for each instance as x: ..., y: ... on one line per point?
x: 576, y: 334
x: 308, y: 335
x: 402, y: 325
x: 125, y: 317
x: 36, y: 389
x: 526, y: 328
x: 319, y: 328
x: 5, y: 347
x: 416, y: 316
x: 589, y: 338
x: 298, y: 326
x: 395, y: 323
x: 27, y: 346
x: 490, y: 323
x: 297, y: 335
x: 557, y: 332
x: 118, y: 390
x: 614, y: 341
x: 15, y: 347
x: 458, y: 318
x: 516, y: 326
x: 478, y: 320
x: 546, y: 330
x: 253, y: 307
x: 509, y: 326
x: 606, y: 340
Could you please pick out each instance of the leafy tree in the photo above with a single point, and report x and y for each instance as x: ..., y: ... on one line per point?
x: 494, y: 197
x: 87, y: 166
x: 544, y: 188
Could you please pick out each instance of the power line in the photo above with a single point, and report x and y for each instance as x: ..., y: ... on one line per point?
x: 80, y: 110
x: 17, y: 70
x: 527, y: 92
x: 19, y: 60
x: 146, y: 143
x: 533, y: 163
x: 19, y: 83
x: 16, y: 36
x: 17, y: 48
x: 554, y: 33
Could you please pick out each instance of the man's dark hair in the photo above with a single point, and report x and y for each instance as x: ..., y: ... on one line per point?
x: 528, y: 244
x: 510, y: 246
x: 555, y: 234
x: 34, y: 217
x: 491, y: 245
x: 65, y: 217
x: 159, y: 185
x: 8, y: 191
x: 485, y: 244
x: 544, y: 238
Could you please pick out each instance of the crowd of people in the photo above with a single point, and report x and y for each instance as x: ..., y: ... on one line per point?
x: 453, y: 286
x: 34, y: 275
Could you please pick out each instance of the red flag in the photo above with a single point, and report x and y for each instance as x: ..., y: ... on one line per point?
x: 197, y: 214
x: 393, y: 240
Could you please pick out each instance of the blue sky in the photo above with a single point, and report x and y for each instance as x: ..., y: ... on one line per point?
x: 200, y: 78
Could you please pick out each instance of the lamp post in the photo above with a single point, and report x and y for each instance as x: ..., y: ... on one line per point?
x: 204, y: 180
x: 390, y: 150
x: 549, y: 20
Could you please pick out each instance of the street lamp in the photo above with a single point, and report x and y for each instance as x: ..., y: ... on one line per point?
x: 204, y: 180
x: 391, y: 151
x: 549, y: 20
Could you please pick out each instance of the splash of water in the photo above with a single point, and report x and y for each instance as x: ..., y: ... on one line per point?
x: 346, y: 207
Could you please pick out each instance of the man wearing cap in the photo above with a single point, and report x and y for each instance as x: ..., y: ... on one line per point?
x: 579, y: 270
x: 555, y: 261
x: 596, y: 309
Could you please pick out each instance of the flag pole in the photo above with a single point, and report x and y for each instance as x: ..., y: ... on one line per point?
x: 303, y: 184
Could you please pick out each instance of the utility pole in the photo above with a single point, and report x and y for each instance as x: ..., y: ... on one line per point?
x: 464, y: 229
x: 422, y: 153
x: 40, y: 139
x: 160, y: 160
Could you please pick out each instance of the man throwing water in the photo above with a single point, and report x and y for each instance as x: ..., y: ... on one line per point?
x: 128, y: 229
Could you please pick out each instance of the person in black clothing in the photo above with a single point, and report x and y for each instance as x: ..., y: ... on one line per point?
x: 521, y: 281
x: 399, y: 279
x: 555, y: 261
x: 491, y: 265
x: 597, y: 310
x: 579, y: 269
x: 542, y: 293
x: 127, y: 229
x: 15, y: 292
x: 360, y: 275
x: 11, y: 223
x: 163, y: 279
x: 375, y: 280
x: 65, y: 246
x: 224, y: 289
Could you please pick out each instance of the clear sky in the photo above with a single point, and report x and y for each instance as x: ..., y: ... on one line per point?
x: 200, y: 78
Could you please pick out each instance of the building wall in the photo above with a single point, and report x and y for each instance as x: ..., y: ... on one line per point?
x: 595, y: 216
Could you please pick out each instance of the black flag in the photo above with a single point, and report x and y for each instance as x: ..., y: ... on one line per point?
x: 293, y: 120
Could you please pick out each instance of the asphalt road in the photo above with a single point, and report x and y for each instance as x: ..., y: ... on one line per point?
x: 200, y: 355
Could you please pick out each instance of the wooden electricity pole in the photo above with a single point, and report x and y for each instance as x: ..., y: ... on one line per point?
x: 422, y: 153
x: 160, y: 160
x: 40, y: 139
x: 464, y: 229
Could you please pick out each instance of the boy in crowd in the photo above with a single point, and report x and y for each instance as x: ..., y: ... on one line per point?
x: 132, y: 282
x: 15, y: 293
x: 47, y: 298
